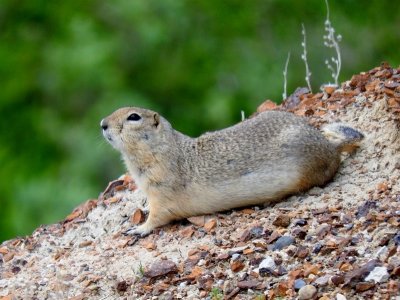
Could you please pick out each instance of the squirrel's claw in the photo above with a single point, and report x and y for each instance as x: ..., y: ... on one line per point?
x: 137, y: 231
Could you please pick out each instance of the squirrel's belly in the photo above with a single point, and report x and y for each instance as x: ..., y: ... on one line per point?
x: 250, y: 189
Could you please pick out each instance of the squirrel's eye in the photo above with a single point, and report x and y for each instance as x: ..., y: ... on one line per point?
x: 134, y: 117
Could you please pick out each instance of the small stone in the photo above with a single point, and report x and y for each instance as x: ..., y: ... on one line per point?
x: 394, y: 261
x: 210, y: 225
x: 235, y: 256
x: 267, y: 263
x: 322, y: 281
x: 364, y: 286
x: 257, y: 232
x: 300, y: 222
x: 322, y: 230
x: 396, y: 239
x: 317, y: 248
x: 378, y: 275
x: 247, y: 284
x: 299, y: 233
x: 283, y: 242
x: 337, y: 279
x: 282, y: 221
x: 137, y: 217
x: 340, y: 297
x: 237, y: 250
x: 237, y: 266
x: 160, y: 268
x: 307, y: 292
x: 122, y: 286
x: 298, y: 284
x: 302, y: 252
x: 197, y: 220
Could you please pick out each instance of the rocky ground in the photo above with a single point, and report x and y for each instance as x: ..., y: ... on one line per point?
x: 341, y: 241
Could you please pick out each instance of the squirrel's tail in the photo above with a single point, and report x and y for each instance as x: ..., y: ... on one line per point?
x: 346, y: 138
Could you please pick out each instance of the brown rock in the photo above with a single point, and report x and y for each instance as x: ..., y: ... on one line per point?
x: 364, y: 286
x: 187, y: 232
x: 302, y: 252
x: 3, y: 250
x: 210, y: 225
x: 245, y: 236
x: 346, y: 267
x: 337, y: 279
x: 137, y: 217
x: 247, y: 211
x: 161, y: 268
x: 237, y: 266
x: 282, y: 221
x: 311, y: 269
x: 122, y: 286
x: 197, y: 220
x: 322, y: 230
x: 329, y: 89
x: 281, y: 289
x: 248, y: 284
x: 149, y: 245
x: 266, y: 105
x: 273, y: 237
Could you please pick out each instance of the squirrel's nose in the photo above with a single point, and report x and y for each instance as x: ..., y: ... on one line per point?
x: 104, y: 124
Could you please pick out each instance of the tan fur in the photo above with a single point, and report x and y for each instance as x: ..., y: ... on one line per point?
x: 259, y: 160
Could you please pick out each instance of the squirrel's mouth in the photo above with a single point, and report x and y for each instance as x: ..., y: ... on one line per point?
x: 107, y: 136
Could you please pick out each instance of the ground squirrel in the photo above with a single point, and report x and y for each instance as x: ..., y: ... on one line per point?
x: 259, y: 160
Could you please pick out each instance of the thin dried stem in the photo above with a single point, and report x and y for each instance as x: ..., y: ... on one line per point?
x: 304, y: 57
x: 284, y: 95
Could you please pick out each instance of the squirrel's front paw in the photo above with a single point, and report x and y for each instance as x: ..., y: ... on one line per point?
x: 141, y: 230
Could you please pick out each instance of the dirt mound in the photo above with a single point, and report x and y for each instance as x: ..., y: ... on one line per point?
x: 336, y: 242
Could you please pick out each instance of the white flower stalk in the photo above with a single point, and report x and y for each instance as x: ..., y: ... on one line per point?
x: 284, y: 95
x: 332, y: 41
x: 304, y: 57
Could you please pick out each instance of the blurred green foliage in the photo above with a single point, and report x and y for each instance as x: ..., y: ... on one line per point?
x: 66, y: 64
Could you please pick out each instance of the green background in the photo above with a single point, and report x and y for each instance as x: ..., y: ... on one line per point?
x: 66, y: 64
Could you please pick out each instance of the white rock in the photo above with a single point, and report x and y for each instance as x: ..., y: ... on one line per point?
x: 235, y: 256
x: 267, y: 263
x: 340, y: 297
x: 382, y: 252
x: 378, y: 275
x: 307, y: 292
x: 394, y: 261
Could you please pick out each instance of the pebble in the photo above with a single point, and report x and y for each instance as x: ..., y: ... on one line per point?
x: 300, y: 222
x: 160, y: 268
x: 394, y: 261
x: 307, y: 292
x: 337, y: 279
x: 382, y: 252
x: 267, y: 263
x: 340, y: 297
x: 283, y: 242
x: 322, y: 281
x: 396, y: 239
x: 282, y: 221
x: 317, y: 248
x: 235, y: 256
x: 298, y: 284
x: 378, y: 275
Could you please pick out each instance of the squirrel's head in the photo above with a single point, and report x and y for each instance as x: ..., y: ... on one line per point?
x: 129, y: 129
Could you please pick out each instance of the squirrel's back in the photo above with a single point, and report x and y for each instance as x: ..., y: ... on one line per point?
x: 260, y: 159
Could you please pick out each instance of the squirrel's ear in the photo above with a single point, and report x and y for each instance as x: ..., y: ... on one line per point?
x: 156, y: 120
